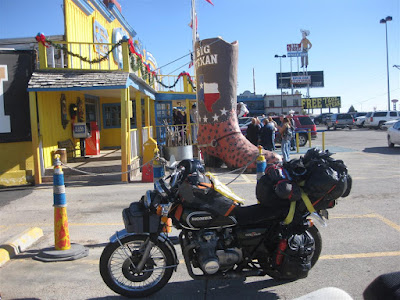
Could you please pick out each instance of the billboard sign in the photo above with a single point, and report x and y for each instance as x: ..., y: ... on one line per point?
x: 321, y: 102
x: 304, y: 79
x: 293, y: 50
x: 317, y: 80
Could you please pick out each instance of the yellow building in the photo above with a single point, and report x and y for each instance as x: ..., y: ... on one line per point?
x: 97, y: 76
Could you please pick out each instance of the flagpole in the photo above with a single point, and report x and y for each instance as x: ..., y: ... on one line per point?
x: 194, y: 29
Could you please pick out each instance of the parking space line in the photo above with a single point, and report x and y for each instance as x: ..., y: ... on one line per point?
x: 247, y: 179
x: 322, y: 257
x: 372, y: 215
x: 360, y: 255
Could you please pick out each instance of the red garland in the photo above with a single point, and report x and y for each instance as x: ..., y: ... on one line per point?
x: 185, y: 74
x: 131, y: 46
x: 40, y: 38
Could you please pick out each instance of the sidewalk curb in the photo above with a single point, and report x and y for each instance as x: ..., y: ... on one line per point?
x: 19, y: 244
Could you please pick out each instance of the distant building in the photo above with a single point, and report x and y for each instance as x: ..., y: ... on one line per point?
x: 273, y: 105
x: 255, y: 103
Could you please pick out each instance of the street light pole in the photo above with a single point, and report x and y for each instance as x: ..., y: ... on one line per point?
x: 384, y: 21
x: 280, y: 71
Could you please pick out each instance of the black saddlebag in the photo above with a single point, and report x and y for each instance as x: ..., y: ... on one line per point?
x: 138, y: 220
x: 204, y: 197
x: 275, y: 189
x: 293, y: 257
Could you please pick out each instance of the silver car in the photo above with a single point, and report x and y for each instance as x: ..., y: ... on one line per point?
x: 393, y: 135
x: 340, y: 121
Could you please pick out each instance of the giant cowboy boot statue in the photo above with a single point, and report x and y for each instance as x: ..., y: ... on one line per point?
x: 219, y: 135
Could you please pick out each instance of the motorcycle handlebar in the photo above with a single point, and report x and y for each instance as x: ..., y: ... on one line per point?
x: 174, y: 176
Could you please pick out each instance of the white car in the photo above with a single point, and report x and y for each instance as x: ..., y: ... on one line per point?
x: 375, y: 119
x: 393, y: 135
x: 359, y: 121
x: 389, y: 124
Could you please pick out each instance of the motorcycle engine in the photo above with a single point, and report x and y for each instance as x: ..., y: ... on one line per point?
x: 212, y: 257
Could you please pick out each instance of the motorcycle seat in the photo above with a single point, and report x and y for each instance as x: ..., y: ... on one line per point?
x: 258, y: 214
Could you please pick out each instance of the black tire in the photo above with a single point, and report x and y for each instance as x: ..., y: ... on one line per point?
x: 380, y: 125
x: 113, y: 260
x: 318, y: 244
x: 334, y: 128
x: 316, y: 122
x: 327, y: 128
x: 390, y: 144
x: 303, y: 139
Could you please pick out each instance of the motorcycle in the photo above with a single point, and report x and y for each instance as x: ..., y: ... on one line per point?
x: 219, y: 238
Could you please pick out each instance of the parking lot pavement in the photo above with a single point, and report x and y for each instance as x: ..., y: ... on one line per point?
x: 361, y: 242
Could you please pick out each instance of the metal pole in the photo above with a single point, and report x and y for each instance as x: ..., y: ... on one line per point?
x: 280, y: 64
x: 387, y: 66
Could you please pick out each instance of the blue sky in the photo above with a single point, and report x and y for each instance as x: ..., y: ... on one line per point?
x: 348, y: 40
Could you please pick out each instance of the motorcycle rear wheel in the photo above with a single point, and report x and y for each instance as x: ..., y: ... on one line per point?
x: 119, y: 275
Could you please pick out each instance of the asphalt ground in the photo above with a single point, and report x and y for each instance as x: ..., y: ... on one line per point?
x: 361, y: 241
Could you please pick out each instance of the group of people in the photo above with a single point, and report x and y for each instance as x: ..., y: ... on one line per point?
x: 264, y: 134
x: 179, y: 119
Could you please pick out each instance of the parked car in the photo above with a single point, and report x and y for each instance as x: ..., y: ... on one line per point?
x: 303, y: 123
x: 243, y: 121
x: 358, y: 114
x: 321, y: 119
x: 389, y: 124
x: 359, y: 121
x: 376, y: 119
x: 340, y: 121
x: 393, y: 135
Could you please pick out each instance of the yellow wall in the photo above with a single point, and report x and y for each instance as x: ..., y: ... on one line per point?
x: 14, y: 158
x: 51, y: 129
x: 79, y: 28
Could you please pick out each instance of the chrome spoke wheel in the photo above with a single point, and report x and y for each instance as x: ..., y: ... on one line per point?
x: 118, y: 267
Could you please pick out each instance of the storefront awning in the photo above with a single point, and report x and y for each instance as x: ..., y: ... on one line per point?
x: 53, y: 81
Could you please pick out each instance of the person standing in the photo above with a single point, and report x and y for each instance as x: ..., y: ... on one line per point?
x: 194, y: 120
x: 275, y: 127
x: 267, y: 133
x: 252, y: 131
x: 286, y: 134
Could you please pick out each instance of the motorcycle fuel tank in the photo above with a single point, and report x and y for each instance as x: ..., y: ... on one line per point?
x: 202, y: 219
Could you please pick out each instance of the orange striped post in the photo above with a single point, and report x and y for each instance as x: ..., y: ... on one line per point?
x: 63, y: 250
x: 61, y: 231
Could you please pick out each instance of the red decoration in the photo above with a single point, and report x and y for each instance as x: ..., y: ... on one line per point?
x: 40, y: 38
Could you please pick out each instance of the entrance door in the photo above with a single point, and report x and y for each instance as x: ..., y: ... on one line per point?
x: 163, y: 117
x: 92, y: 110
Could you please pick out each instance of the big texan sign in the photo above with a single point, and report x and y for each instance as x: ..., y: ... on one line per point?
x: 321, y: 102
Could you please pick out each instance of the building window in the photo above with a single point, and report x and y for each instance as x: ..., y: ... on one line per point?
x: 295, y: 102
x: 271, y: 103
x: 284, y: 103
x: 112, y: 115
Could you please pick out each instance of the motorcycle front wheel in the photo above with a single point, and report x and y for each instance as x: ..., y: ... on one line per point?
x: 118, y: 273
